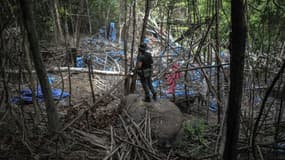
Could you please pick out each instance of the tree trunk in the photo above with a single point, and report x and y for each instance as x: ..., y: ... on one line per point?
x: 57, y: 21
x: 134, y: 34
x: 78, y: 24
x: 31, y: 79
x: 126, y: 31
x: 107, y: 24
x: 217, y: 58
x: 28, y: 20
x: 238, y: 40
x: 89, y: 18
x: 145, y: 19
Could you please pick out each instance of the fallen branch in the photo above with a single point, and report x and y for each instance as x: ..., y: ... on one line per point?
x: 85, y: 70
x: 112, y: 152
x: 93, y: 139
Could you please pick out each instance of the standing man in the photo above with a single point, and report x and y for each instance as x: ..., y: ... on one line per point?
x: 144, y: 69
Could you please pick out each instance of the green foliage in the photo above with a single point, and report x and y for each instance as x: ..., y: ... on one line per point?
x: 265, y: 21
x: 103, y: 9
x: 194, y: 129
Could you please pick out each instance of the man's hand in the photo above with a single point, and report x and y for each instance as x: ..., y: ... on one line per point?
x: 132, y: 71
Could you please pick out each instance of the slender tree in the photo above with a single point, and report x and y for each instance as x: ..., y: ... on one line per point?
x: 89, y: 17
x: 57, y: 20
x: 126, y: 29
x: 217, y: 7
x: 145, y: 19
x: 238, y: 41
x: 28, y: 20
x: 78, y: 24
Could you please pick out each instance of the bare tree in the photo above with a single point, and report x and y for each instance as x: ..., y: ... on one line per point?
x: 89, y: 17
x: 238, y: 41
x: 57, y: 22
x: 145, y: 19
x: 126, y: 30
x: 28, y: 20
x: 78, y: 24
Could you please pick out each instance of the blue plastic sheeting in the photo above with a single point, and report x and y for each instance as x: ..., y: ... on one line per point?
x: 281, y: 147
x: 51, y: 79
x: 213, y: 106
x: 116, y: 55
x: 96, y: 59
x: 222, y: 54
x: 26, y: 95
x: 102, y: 31
x: 112, y: 32
x: 195, y: 75
x: 257, y: 100
x: 156, y: 83
x: 180, y: 91
x: 146, y: 40
x: 177, y: 50
x: 99, y: 60
x: 79, y: 62
x: 113, y: 53
x: 121, y: 52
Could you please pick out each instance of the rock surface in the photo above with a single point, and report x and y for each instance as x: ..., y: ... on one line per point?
x: 166, y: 118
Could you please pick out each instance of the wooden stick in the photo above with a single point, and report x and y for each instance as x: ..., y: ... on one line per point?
x: 85, y: 70
x: 143, y: 137
x: 112, y: 152
x: 112, y: 139
x: 260, y: 153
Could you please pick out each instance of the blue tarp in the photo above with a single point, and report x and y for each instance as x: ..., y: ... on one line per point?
x: 116, y: 55
x: 26, y: 95
x: 156, y: 83
x: 146, y: 40
x: 195, y: 75
x: 112, y: 32
x: 213, y: 106
x: 281, y: 147
x: 79, y: 62
x: 51, y: 79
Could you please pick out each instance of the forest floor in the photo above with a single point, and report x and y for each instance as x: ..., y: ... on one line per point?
x: 89, y: 136
x: 98, y: 127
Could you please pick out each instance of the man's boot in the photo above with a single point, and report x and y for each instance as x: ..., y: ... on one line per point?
x: 154, y: 97
x: 147, y: 99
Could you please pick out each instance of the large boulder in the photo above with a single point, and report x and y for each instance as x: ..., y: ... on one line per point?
x: 166, y: 118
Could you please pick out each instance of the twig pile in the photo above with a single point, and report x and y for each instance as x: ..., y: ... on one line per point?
x: 127, y: 140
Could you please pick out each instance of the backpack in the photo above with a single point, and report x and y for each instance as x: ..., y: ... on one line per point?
x: 147, y: 62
